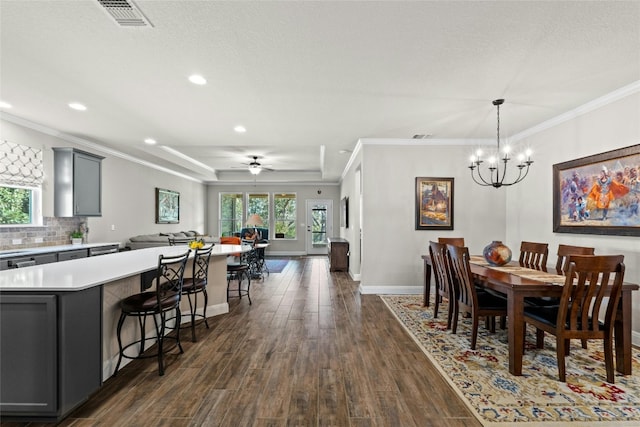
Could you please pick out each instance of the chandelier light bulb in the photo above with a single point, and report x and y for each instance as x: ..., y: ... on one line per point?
x: 479, y: 153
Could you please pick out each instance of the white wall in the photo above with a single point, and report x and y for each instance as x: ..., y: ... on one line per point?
x: 303, y: 192
x: 128, y: 191
x: 351, y: 189
x: 391, y: 246
x: 529, y: 205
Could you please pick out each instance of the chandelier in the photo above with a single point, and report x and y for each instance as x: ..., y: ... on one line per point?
x: 495, y: 173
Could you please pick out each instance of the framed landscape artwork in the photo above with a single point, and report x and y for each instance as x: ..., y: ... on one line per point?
x: 434, y: 203
x: 167, y: 206
x: 598, y: 194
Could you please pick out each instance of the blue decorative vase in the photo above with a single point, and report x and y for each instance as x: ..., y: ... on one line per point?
x: 496, y: 253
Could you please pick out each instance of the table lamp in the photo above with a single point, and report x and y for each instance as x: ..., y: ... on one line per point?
x: 254, y: 221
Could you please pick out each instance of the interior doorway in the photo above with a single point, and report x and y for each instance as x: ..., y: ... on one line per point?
x: 319, y: 226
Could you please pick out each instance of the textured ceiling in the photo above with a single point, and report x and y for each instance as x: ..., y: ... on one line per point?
x: 307, y: 79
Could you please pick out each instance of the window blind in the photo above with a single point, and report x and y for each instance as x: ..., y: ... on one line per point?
x: 20, y: 165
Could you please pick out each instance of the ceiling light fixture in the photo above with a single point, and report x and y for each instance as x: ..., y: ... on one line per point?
x: 240, y: 129
x: 5, y: 105
x: 197, y: 80
x: 150, y: 141
x: 77, y: 106
x: 496, y: 175
x: 255, y: 169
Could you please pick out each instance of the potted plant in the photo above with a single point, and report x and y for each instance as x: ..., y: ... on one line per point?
x: 76, y: 237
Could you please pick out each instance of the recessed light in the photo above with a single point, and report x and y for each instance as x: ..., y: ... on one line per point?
x: 240, y: 129
x: 77, y: 106
x: 150, y: 141
x: 5, y: 105
x: 197, y: 80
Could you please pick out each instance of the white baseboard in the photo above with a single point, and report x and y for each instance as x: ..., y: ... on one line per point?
x: 285, y: 253
x: 391, y: 290
x: 355, y: 277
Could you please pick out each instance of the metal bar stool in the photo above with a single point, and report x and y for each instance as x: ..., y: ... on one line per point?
x: 158, y: 302
x: 197, y: 284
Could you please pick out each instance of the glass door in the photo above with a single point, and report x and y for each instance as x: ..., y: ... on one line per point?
x: 319, y: 226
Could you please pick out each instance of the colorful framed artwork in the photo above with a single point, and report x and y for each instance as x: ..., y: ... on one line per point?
x: 598, y: 194
x: 167, y: 206
x: 434, y: 203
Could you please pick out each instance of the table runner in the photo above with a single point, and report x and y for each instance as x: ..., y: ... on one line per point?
x: 527, y: 273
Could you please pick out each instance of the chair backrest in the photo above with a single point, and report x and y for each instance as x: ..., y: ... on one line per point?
x: 438, y: 254
x: 201, y: 264
x: 534, y: 255
x: 583, y: 294
x: 462, y: 279
x: 563, y: 255
x: 455, y: 241
x: 179, y: 240
x: 170, y: 276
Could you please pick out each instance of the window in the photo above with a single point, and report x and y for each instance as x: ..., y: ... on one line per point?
x: 284, y: 206
x: 21, y: 175
x: 259, y: 204
x: 231, y: 211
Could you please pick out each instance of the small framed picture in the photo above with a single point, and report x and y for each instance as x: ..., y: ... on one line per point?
x: 434, y: 203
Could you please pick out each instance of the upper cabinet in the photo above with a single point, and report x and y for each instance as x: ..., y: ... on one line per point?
x: 78, y: 187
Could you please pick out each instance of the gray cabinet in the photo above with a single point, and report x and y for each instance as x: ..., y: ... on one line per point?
x: 78, y: 183
x: 51, y: 353
x: 25, y: 260
x: 69, y: 255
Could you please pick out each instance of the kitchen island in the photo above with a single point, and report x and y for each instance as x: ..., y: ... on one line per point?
x: 58, y: 325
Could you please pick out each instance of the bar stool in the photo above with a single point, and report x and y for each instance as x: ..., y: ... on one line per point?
x: 237, y: 270
x: 196, y: 284
x: 165, y: 298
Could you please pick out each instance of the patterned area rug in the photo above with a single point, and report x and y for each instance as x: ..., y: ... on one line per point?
x: 482, y: 377
x: 276, y: 265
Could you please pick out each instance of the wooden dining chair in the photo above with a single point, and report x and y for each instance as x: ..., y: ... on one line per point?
x: 455, y: 241
x: 444, y: 288
x: 576, y: 317
x: 477, y: 304
x: 534, y: 255
x: 564, y: 251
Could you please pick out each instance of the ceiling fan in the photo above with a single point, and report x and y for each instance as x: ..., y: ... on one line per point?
x: 255, y: 167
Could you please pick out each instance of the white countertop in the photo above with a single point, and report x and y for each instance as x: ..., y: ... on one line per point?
x: 84, y: 273
x: 47, y: 249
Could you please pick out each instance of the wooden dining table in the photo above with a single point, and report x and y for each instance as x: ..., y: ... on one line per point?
x: 517, y: 288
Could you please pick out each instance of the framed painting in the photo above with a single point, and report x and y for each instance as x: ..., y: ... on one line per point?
x: 598, y: 194
x: 434, y: 203
x: 167, y: 206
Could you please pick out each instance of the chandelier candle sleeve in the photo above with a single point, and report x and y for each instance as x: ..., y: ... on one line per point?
x: 495, y: 176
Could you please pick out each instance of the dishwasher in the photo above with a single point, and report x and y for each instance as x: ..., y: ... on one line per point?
x: 103, y: 250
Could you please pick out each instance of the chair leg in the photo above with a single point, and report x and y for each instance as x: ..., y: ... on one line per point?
x: 539, y: 338
x: 249, y: 287
x: 503, y: 322
x: 177, y: 326
x: 204, y: 309
x: 608, y: 359
x: 456, y: 309
x: 436, y: 305
x: 560, y: 351
x: 474, y: 332
x: 584, y: 343
x: 192, y: 311
x: 160, y: 338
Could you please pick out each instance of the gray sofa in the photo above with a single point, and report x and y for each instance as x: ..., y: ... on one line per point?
x: 162, y: 239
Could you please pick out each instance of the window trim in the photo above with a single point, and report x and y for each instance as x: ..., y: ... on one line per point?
x: 35, y: 215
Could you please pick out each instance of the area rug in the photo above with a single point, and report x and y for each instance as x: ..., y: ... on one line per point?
x: 276, y: 265
x: 497, y: 398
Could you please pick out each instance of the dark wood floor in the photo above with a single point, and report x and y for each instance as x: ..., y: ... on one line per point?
x: 310, y: 351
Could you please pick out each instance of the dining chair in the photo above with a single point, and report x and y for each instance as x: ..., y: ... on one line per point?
x: 197, y: 284
x: 444, y: 288
x: 455, y: 241
x: 155, y: 303
x: 534, y: 255
x: 477, y: 304
x: 564, y: 251
x: 577, y: 315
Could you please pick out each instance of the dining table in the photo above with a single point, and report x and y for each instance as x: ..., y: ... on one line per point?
x: 517, y: 283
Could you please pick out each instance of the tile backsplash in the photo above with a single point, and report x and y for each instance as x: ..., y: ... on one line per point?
x: 55, y: 231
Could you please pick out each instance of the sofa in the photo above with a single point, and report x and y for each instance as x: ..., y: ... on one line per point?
x: 162, y: 239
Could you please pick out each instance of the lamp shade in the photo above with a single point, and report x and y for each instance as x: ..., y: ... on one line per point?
x: 255, y: 220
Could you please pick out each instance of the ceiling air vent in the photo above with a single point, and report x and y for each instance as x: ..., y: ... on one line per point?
x: 125, y: 13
